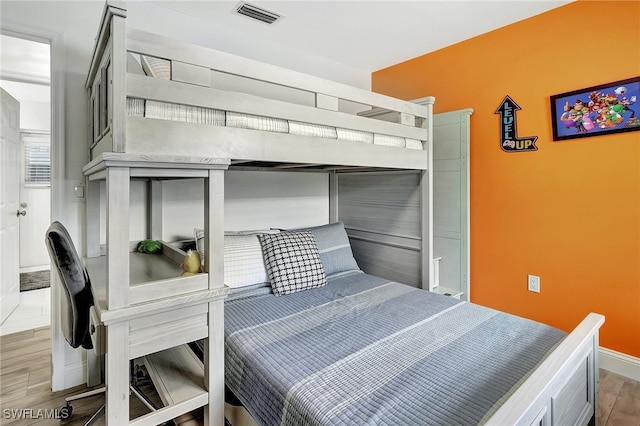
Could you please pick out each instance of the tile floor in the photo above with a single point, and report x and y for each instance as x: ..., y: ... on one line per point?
x: 33, y: 311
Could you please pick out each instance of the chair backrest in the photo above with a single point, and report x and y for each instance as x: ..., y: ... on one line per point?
x: 76, y: 298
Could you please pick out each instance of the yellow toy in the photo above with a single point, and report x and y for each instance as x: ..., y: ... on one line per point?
x: 191, y: 264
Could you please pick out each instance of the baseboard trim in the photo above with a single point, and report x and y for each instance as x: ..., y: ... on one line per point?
x: 74, y: 375
x: 619, y: 363
x: 36, y: 268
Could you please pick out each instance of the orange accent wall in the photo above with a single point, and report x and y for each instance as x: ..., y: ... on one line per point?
x: 569, y: 212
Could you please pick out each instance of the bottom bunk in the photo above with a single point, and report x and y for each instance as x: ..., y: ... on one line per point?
x: 359, y: 349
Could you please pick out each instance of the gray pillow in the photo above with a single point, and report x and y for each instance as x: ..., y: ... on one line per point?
x: 334, y: 247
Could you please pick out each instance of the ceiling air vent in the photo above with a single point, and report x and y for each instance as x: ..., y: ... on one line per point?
x: 257, y: 13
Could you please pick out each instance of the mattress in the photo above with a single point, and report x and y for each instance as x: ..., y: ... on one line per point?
x: 363, y: 350
x: 192, y: 114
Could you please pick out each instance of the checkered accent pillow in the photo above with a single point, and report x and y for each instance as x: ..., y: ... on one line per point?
x: 293, y: 261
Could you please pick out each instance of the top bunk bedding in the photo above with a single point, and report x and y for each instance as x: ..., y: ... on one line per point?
x: 200, y: 115
x: 155, y: 95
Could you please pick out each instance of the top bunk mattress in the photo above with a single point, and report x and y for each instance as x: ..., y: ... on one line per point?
x: 201, y: 115
x: 363, y: 350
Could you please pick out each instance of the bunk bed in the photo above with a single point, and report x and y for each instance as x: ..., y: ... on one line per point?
x: 156, y: 115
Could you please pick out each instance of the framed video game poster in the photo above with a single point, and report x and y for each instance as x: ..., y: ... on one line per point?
x: 598, y: 110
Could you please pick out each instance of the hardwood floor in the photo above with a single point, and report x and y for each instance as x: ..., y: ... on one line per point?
x: 25, y: 385
x: 25, y: 388
x: 619, y: 400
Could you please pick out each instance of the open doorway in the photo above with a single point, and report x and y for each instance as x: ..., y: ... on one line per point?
x: 25, y: 77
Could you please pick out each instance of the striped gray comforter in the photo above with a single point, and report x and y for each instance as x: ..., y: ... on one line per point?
x: 365, y: 351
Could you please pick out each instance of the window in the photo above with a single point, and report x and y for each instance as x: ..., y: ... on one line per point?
x: 37, y: 159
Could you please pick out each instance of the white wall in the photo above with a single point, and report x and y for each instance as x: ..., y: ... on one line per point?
x: 259, y: 200
x: 75, y: 24
x: 253, y: 200
x: 35, y: 116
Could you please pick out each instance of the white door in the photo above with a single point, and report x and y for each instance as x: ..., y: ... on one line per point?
x: 9, y: 205
x: 35, y: 200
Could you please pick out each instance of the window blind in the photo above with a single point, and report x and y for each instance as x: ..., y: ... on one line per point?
x: 37, y: 162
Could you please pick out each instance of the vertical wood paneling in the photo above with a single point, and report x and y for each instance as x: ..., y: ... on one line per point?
x: 382, y: 213
x: 387, y: 203
x: 569, y: 405
x: 393, y: 263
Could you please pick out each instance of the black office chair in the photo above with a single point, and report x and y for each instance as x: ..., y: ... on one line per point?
x: 76, y: 300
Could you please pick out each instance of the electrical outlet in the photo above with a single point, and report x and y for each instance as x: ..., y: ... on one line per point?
x: 534, y: 283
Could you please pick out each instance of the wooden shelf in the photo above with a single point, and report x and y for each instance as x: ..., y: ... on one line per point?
x: 151, y: 277
x: 178, y: 376
x: 177, y: 373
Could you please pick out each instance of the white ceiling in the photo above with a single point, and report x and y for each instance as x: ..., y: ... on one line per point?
x: 367, y: 35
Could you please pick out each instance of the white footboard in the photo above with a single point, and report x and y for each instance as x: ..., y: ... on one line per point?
x: 563, y: 390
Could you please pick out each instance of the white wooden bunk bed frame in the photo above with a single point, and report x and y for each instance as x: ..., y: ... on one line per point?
x: 143, y: 305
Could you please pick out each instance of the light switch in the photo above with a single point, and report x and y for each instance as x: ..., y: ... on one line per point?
x: 79, y: 191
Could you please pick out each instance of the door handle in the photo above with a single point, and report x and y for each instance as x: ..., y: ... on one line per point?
x: 21, y: 213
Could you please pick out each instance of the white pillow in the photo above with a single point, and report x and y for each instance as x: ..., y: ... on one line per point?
x: 199, y: 234
x: 243, y: 260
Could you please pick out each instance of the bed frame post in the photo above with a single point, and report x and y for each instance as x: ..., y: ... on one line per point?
x: 333, y: 197
x: 426, y: 188
x: 117, y: 357
x: 214, y: 265
x: 154, y: 209
x: 117, y: 83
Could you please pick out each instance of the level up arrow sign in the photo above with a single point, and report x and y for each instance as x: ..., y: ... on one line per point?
x: 509, y: 140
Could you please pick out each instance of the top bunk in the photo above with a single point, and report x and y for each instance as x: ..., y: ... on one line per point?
x: 151, y: 94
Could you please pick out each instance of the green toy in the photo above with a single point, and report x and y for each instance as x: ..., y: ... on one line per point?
x: 150, y: 246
